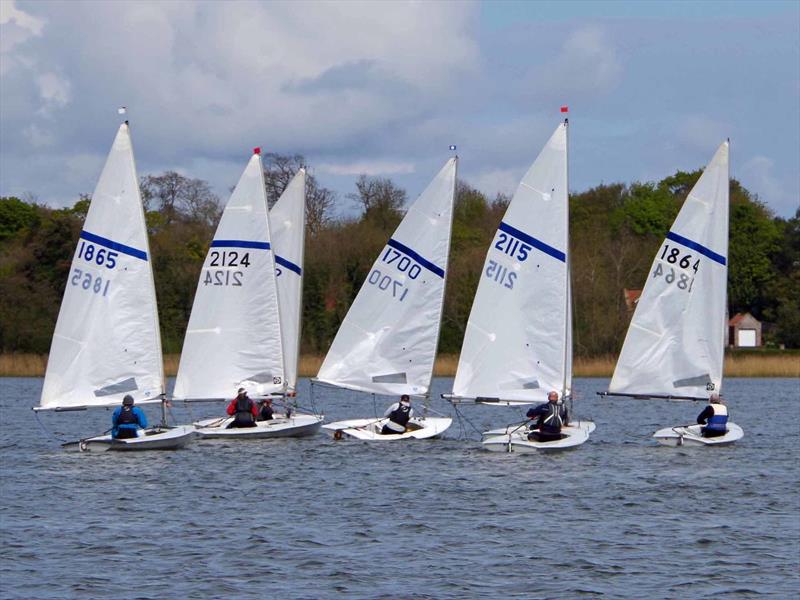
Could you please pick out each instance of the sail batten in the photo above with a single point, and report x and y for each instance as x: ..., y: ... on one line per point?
x: 388, y: 339
x: 107, y: 342
x: 234, y: 336
x: 526, y: 352
x: 675, y: 342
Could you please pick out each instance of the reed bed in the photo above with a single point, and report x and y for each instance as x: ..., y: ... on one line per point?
x: 736, y: 365
x: 22, y: 365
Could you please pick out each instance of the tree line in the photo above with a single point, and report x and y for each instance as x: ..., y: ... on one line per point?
x: 615, y: 230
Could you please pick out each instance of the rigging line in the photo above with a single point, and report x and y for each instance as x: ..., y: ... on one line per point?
x: 471, y: 424
x: 48, y: 432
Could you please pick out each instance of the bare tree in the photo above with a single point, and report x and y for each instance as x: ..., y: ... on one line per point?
x: 279, y: 170
x: 380, y: 199
x: 176, y: 196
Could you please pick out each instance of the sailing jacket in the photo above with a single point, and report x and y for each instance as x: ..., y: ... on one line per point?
x: 127, y: 419
x: 551, y: 417
x: 399, y: 415
x: 714, y: 417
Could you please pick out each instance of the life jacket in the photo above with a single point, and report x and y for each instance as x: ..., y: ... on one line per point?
x: 719, y: 420
x: 552, y: 421
x: 401, y: 415
x: 244, y: 410
x: 127, y: 417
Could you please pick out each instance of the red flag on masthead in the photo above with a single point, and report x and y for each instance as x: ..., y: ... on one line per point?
x: 257, y: 150
x: 565, y: 109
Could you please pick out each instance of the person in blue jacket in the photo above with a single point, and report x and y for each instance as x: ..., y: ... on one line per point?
x: 714, y: 417
x: 552, y: 417
x: 127, y: 420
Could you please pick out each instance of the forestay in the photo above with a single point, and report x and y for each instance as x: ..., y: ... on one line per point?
x: 288, y: 225
x: 387, y: 342
x: 107, y: 342
x: 234, y: 336
x: 517, y: 346
x: 675, y: 341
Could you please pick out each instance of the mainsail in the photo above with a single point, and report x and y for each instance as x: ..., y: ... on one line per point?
x: 288, y: 224
x: 675, y: 342
x: 518, y: 342
x: 387, y: 342
x: 107, y: 342
x: 234, y: 338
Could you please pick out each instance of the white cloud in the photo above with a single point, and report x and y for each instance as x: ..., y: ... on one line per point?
x: 368, y: 167
x: 54, y: 90
x: 759, y: 173
x: 587, y: 62
x: 16, y: 27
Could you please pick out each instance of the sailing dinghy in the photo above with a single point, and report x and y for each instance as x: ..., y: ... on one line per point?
x: 107, y: 342
x: 674, y: 348
x: 518, y: 342
x: 234, y: 335
x: 387, y: 342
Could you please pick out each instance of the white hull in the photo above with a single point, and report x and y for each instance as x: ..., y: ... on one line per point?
x: 298, y: 425
x: 691, y: 436
x: 370, y: 429
x: 515, y: 439
x: 154, y: 439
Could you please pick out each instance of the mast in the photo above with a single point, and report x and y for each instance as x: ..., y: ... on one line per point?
x: 567, y: 294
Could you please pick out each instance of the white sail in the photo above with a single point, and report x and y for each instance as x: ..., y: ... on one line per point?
x: 517, y: 345
x: 234, y: 339
x: 288, y: 225
x: 675, y: 341
x: 387, y: 342
x: 107, y: 342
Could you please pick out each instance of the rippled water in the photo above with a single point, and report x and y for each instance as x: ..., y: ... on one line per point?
x: 620, y: 517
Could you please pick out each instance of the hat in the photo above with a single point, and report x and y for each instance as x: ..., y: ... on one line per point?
x: 127, y: 400
x: 240, y: 390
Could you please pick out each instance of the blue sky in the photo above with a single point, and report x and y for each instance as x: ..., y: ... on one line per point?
x: 385, y: 88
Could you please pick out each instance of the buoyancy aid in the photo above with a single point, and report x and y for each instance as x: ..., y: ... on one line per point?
x: 719, y: 420
x: 552, y: 422
x: 244, y: 411
x: 127, y: 417
x: 400, y: 417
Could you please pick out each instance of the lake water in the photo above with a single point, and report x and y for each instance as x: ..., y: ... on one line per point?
x: 619, y: 517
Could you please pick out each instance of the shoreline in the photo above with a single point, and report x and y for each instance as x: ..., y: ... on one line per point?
x: 737, y: 364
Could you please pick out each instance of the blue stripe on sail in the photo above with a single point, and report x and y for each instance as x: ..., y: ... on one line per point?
x: 418, y: 258
x: 288, y: 264
x: 698, y: 247
x: 240, y: 244
x: 528, y: 239
x: 112, y: 245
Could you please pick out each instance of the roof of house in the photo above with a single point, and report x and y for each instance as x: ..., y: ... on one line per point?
x: 739, y: 317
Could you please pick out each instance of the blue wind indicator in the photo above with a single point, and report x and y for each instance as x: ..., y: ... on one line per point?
x: 452, y: 147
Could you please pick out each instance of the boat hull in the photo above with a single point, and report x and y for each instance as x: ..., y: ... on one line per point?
x: 419, y: 428
x: 515, y: 439
x: 691, y: 436
x: 298, y: 425
x: 156, y: 438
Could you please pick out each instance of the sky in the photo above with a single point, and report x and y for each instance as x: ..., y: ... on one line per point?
x: 384, y: 88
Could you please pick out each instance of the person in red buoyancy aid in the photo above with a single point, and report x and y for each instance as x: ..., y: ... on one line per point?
x: 243, y: 410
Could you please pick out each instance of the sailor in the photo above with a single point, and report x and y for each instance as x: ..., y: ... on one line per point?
x: 714, y: 417
x: 243, y: 410
x: 552, y: 417
x: 399, y: 415
x: 265, y: 411
x: 127, y: 420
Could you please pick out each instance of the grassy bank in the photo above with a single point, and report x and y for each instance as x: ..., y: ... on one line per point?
x: 740, y: 364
